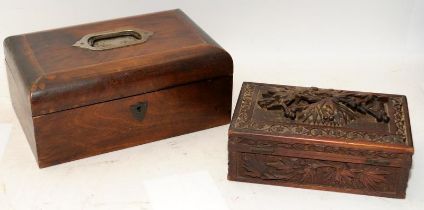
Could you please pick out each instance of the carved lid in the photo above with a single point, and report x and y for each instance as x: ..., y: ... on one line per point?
x: 352, y: 119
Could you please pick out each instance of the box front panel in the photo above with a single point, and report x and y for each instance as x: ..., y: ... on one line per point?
x: 117, y: 124
x: 315, y: 166
x: 316, y: 174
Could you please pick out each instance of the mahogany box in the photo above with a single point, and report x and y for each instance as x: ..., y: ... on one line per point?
x: 89, y: 89
x: 322, y: 139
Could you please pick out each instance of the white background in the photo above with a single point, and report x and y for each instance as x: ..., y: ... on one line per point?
x: 368, y: 45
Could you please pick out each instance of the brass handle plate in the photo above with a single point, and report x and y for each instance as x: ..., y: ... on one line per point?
x: 117, y: 38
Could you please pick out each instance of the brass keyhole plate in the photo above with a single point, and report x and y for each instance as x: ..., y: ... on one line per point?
x: 139, y: 110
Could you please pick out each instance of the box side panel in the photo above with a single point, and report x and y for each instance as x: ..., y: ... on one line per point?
x: 21, y: 105
x: 104, y: 127
x: 21, y: 62
x: 407, y: 121
x: 403, y: 182
x: 316, y: 167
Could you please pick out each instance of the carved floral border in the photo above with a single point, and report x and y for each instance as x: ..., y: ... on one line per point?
x: 244, y: 121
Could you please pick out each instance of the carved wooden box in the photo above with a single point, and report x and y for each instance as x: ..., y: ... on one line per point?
x: 89, y: 89
x: 321, y: 139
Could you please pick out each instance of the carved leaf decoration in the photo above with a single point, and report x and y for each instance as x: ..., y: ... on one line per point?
x: 254, y: 167
x: 281, y: 170
x: 317, y: 172
x: 308, y: 174
x: 281, y: 165
x: 327, y: 112
x: 371, y: 178
x: 277, y: 176
x: 257, y: 169
x: 343, y: 176
x: 268, y: 94
x: 324, y: 107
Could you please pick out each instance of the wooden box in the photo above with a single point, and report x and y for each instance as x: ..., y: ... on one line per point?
x: 89, y: 89
x: 322, y: 139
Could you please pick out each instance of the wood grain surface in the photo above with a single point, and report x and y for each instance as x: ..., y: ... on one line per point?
x: 104, y: 127
x: 324, y: 139
x: 74, y: 102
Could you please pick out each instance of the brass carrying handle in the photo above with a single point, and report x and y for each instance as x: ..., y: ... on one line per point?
x: 107, y: 40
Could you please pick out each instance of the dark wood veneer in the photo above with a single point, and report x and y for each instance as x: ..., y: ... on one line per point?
x: 74, y: 102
